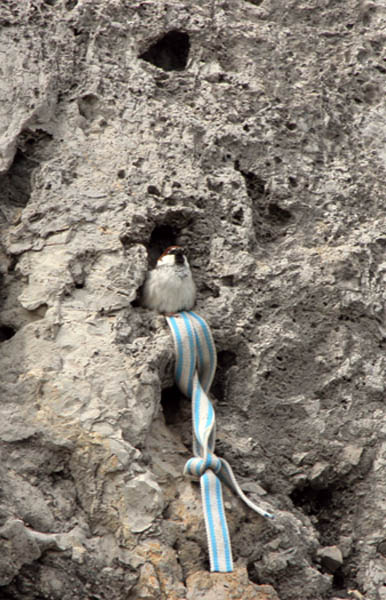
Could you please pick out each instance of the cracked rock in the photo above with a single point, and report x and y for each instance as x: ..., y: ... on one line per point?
x: 253, y: 134
x: 331, y: 558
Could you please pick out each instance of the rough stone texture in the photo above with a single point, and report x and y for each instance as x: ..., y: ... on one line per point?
x: 331, y: 558
x: 254, y: 133
x: 232, y: 586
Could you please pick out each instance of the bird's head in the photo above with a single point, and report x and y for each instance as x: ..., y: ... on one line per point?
x: 174, y: 255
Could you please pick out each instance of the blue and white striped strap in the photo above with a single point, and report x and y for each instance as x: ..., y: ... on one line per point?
x: 196, y: 362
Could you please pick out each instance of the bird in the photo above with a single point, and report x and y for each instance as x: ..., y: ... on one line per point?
x: 169, y: 288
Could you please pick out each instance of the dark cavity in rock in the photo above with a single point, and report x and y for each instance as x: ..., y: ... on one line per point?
x: 161, y: 237
x: 170, y: 53
x: 6, y: 333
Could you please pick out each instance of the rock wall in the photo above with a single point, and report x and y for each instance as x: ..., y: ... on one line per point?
x: 253, y: 133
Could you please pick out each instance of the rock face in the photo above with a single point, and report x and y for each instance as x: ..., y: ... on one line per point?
x: 252, y: 132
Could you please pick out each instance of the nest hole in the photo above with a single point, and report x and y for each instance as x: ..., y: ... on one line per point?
x: 161, y: 237
x: 15, y: 184
x: 225, y: 360
x: 339, y: 581
x: 171, y: 400
x: 88, y: 106
x: 6, y: 333
x: 278, y: 214
x: 252, y: 573
x: 312, y: 501
x: 169, y: 53
x: 255, y: 184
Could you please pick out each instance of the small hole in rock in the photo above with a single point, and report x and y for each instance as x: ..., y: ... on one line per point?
x: 339, y: 580
x: 170, y: 53
x: 161, y: 237
x: 152, y: 189
x: 171, y: 403
x: 252, y: 573
x: 15, y: 184
x: 237, y: 216
x: 121, y: 173
x: 310, y: 500
x: 292, y: 181
x: 255, y: 185
x: 278, y: 214
x: 225, y: 360
x: 88, y: 106
x: 291, y: 126
x: 228, y: 280
x: 6, y: 332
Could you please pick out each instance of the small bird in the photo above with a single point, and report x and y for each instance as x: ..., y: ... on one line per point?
x: 169, y: 288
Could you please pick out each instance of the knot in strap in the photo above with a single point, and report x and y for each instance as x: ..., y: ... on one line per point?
x: 195, y: 367
x: 195, y: 467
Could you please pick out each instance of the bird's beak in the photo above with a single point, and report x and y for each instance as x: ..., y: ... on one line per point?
x: 179, y: 257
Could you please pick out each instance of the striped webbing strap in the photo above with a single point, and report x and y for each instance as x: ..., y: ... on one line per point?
x: 196, y: 361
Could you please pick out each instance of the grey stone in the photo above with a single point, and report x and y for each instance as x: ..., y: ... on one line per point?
x: 351, y: 457
x: 263, y: 154
x: 382, y: 547
x: 331, y: 557
x: 320, y: 475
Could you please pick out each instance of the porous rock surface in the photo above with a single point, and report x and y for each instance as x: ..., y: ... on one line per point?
x: 253, y: 132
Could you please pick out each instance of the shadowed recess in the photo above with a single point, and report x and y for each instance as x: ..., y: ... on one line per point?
x: 269, y: 219
x: 171, y: 402
x: 278, y: 215
x: 252, y: 573
x: 88, y: 106
x: 6, y: 333
x: 255, y: 185
x: 161, y: 237
x: 170, y: 53
x: 312, y: 501
x: 225, y: 360
x: 15, y: 184
x: 324, y: 505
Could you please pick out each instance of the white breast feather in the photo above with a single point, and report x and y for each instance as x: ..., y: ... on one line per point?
x: 169, y: 289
